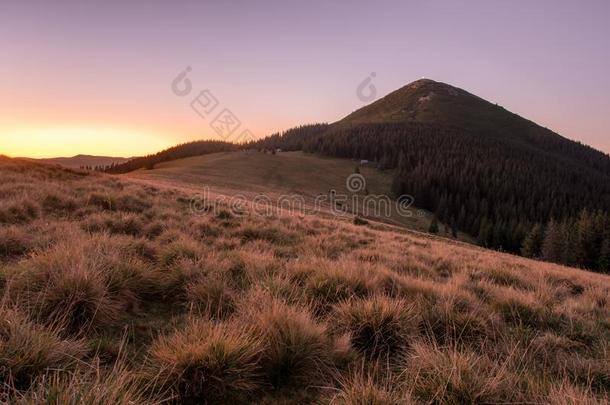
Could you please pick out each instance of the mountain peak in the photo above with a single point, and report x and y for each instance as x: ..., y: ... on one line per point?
x: 422, y: 81
x: 442, y: 105
x: 424, y: 101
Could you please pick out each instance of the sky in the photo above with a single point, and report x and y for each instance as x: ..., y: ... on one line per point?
x: 85, y: 77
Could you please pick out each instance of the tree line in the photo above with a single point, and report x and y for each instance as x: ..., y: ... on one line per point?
x: 176, y: 152
x: 583, y: 241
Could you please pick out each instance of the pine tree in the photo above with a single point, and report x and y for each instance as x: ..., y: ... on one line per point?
x: 532, y: 245
x: 484, y: 234
x: 551, y: 244
x: 568, y: 243
x: 433, y: 226
x: 454, y: 230
x: 585, y: 248
x: 603, y: 264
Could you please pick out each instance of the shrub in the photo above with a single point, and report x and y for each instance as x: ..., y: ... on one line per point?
x: 208, y: 363
x: 378, y: 325
x: 360, y: 221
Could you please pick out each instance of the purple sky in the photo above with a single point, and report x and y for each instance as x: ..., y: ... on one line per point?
x: 83, y: 78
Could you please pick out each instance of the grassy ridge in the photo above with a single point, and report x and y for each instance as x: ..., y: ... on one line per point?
x: 114, y: 292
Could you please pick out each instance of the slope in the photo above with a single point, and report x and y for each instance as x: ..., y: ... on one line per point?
x: 113, y: 291
x: 254, y: 173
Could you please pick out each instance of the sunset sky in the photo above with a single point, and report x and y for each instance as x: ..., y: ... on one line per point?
x: 96, y: 79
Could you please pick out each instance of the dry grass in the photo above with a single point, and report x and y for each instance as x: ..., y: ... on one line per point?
x: 112, y: 291
x: 297, y: 349
x: 379, y: 326
x: 208, y: 363
x: 364, y: 389
x: 28, y: 350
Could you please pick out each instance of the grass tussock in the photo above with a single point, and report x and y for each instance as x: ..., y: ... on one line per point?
x: 14, y: 242
x: 28, y: 350
x: 113, y: 291
x: 95, y: 386
x: 364, y: 389
x: 449, y: 376
x: 213, y: 295
x: 81, y: 285
x: 379, y: 326
x: 297, y: 349
x: 209, y: 363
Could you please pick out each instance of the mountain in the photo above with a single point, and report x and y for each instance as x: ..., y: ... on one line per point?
x: 505, y: 181
x: 84, y: 160
x: 482, y: 169
x: 429, y: 102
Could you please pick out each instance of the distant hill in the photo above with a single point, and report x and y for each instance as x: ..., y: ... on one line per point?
x: 486, y: 171
x: 177, y: 152
x: 84, y: 161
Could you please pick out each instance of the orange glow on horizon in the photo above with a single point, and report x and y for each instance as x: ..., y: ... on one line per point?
x: 67, y: 141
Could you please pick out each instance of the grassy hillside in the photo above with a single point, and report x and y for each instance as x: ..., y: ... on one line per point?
x: 113, y: 291
x: 286, y: 173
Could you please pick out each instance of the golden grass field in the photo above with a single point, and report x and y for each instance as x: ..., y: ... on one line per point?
x: 114, y: 292
x: 288, y: 173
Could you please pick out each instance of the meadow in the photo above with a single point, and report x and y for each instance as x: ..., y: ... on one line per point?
x: 113, y: 291
x: 253, y: 173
